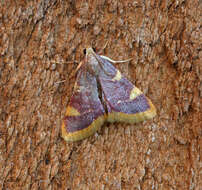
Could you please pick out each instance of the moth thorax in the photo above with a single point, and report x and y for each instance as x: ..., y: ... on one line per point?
x: 93, y: 65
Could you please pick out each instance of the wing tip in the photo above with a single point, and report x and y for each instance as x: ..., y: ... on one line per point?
x: 83, y: 133
x: 133, y: 118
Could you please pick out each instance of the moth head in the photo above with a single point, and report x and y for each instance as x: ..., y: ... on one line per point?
x: 89, y: 51
x: 84, y: 50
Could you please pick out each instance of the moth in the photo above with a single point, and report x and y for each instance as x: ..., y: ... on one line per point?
x: 102, y: 94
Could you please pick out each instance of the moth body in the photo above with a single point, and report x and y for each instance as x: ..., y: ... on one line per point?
x: 102, y: 94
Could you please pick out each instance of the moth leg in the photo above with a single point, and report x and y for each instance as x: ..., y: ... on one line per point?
x: 78, y: 67
x: 61, y: 81
x: 67, y: 62
x: 74, y: 72
x: 72, y: 75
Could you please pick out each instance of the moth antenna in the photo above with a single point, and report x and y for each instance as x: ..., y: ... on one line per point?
x: 105, y: 44
x: 100, y: 51
x: 113, y: 61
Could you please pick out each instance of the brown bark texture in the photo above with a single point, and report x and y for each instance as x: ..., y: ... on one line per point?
x: 41, y: 44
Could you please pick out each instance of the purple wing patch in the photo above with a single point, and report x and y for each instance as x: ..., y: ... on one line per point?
x: 84, y: 109
x: 122, y: 97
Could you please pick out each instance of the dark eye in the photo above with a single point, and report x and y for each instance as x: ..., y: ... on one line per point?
x: 94, y: 49
x: 84, y: 51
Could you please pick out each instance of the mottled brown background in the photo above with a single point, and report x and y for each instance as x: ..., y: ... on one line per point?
x: 163, y: 38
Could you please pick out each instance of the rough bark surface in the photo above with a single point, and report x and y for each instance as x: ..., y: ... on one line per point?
x: 164, y: 40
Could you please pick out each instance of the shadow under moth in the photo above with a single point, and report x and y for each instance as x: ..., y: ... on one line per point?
x: 102, y: 94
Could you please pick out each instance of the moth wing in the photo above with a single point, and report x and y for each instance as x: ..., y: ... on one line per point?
x: 85, y: 113
x: 124, y: 101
